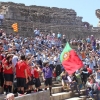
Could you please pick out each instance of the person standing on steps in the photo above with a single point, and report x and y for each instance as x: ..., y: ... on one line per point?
x: 47, y: 75
x: 21, y: 74
x: 1, y: 69
x: 36, y: 72
x: 8, y: 73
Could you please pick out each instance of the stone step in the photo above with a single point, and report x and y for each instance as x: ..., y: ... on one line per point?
x: 61, y: 96
x: 2, y: 96
x: 81, y: 98
x: 43, y: 95
x: 82, y: 92
x: 56, y: 89
x: 75, y: 98
x: 55, y: 84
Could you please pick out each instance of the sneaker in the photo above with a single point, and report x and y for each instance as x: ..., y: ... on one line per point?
x: 35, y: 90
x: 20, y: 94
x: 40, y: 90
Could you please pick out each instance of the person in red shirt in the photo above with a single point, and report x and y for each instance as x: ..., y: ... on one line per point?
x: 1, y: 70
x: 28, y: 86
x: 8, y: 73
x: 30, y: 82
x: 89, y: 70
x: 3, y: 62
x: 36, y: 72
x: 21, y: 74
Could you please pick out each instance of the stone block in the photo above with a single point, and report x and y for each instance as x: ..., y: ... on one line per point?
x: 61, y: 96
x: 75, y: 98
x: 56, y: 89
x: 2, y: 97
x: 44, y: 95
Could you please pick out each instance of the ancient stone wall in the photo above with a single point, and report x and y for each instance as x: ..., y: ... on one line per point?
x: 46, y: 19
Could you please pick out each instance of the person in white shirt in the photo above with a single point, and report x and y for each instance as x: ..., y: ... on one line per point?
x: 1, y: 19
x: 53, y: 34
x: 14, y: 60
x: 91, y: 64
x: 37, y: 32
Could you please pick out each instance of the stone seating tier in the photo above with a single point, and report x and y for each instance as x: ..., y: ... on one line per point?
x: 57, y: 94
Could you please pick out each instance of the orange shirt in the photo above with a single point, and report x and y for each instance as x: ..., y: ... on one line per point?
x: 83, y: 55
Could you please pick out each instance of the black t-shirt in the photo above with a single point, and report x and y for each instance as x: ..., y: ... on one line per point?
x: 64, y: 40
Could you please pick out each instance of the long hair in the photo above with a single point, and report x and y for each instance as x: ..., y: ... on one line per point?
x: 8, y: 58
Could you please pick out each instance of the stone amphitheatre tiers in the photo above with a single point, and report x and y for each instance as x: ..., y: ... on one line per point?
x: 46, y: 19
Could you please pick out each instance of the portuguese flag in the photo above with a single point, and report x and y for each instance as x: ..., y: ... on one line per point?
x: 70, y: 60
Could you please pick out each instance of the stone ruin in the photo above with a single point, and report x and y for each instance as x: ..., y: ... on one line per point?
x: 46, y: 19
x: 98, y: 16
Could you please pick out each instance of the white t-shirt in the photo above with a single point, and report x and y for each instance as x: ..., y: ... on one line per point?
x: 14, y: 60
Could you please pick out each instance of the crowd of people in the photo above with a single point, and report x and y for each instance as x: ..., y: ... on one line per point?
x: 24, y: 60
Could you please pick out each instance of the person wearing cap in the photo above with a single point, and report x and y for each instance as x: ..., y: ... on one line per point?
x: 47, y: 75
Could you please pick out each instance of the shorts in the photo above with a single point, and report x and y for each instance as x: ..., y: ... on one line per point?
x: 8, y: 77
x: 21, y: 82
x: 37, y: 82
x: 48, y: 81
x: 31, y: 82
x: 26, y: 85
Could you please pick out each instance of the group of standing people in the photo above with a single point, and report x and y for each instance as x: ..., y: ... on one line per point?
x: 24, y: 60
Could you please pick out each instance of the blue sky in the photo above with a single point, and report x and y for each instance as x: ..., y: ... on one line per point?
x: 84, y: 8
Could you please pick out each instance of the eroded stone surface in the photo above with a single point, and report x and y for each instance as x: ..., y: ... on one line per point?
x: 45, y: 95
x: 46, y: 19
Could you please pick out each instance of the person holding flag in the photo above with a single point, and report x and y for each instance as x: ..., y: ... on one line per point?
x: 71, y: 63
x: 70, y: 60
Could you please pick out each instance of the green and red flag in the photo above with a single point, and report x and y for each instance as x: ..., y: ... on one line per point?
x: 70, y: 60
